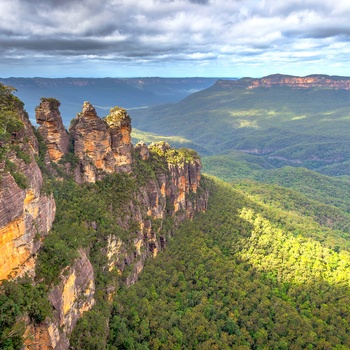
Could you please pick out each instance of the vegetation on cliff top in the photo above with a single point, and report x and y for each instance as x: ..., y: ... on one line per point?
x: 173, y: 156
x: 54, y: 103
x: 9, y: 108
x: 10, y: 124
x: 117, y: 117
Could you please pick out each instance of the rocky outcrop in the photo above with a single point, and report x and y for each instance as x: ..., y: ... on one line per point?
x: 310, y: 81
x: 103, y: 146
x: 26, y: 215
x: 51, y: 129
x: 73, y: 296
x: 119, y: 123
x: 143, y: 150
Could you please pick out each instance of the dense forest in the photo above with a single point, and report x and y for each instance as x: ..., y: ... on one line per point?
x: 238, y: 277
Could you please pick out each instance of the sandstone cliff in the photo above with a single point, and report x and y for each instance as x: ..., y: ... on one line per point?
x: 310, y: 81
x: 51, y: 129
x: 103, y: 146
x: 173, y: 193
x: 70, y: 299
x: 26, y: 215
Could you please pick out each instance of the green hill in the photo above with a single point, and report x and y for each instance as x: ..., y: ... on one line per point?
x: 237, y: 166
x: 284, y: 125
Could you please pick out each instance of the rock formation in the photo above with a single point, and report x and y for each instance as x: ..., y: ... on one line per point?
x: 103, y: 146
x: 310, y: 81
x: 51, y: 129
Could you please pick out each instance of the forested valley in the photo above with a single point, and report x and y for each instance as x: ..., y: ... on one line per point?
x: 244, y: 275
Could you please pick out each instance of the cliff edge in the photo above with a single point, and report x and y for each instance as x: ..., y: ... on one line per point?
x: 117, y: 205
x: 26, y: 213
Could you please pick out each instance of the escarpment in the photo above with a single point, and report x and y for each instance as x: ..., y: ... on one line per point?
x: 123, y: 206
x: 26, y: 214
x: 310, y: 81
x: 73, y: 296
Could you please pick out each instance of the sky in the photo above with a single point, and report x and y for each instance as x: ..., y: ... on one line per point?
x: 173, y: 38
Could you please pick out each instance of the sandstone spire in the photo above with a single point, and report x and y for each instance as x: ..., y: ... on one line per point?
x: 102, y: 145
x: 51, y: 128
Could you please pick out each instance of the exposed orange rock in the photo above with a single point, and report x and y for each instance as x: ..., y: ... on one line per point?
x: 41, y: 337
x: 70, y: 299
x: 26, y: 215
x: 103, y: 146
x: 68, y: 294
x: 19, y: 237
x: 51, y: 129
x: 13, y: 254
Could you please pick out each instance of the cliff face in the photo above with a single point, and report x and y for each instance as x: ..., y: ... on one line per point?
x: 321, y: 81
x: 26, y: 215
x: 70, y: 299
x: 174, y: 193
x: 51, y: 129
x: 168, y: 194
x: 102, y: 146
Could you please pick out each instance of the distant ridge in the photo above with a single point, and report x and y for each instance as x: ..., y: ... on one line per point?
x: 309, y: 81
x: 104, y: 93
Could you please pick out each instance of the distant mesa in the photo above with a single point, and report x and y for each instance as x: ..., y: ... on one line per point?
x: 309, y: 81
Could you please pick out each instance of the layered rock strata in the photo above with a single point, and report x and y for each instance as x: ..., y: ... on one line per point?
x: 26, y: 215
x: 310, y: 81
x: 174, y: 193
x: 103, y: 146
x: 51, y: 129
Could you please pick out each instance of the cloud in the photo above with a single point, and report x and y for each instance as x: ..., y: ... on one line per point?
x: 172, y: 30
